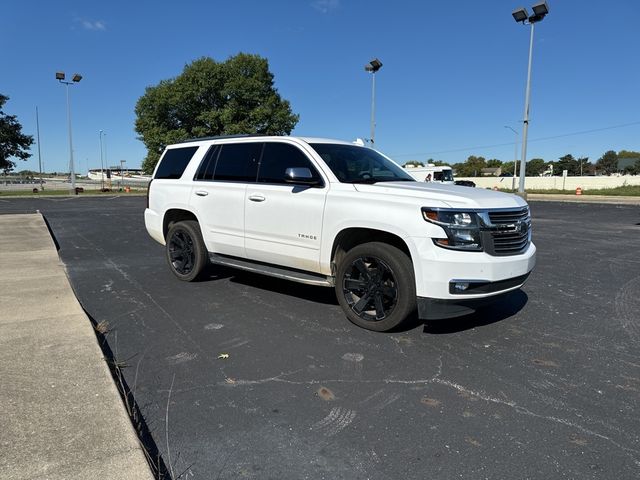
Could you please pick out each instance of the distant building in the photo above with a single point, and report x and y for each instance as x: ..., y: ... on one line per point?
x: 624, y: 163
x: 491, y: 172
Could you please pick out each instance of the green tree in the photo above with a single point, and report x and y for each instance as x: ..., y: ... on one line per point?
x: 628, y: 154
x: 569, y: 163
x: 608, y: 162
x: 471, y: 168
x: 573, y: 166
x: 494, y: 163
x: 13, y: 143
x: 584, y: 166
x: 535, y: 167
x: 212, y: 98
x: 507, y: 167
x: 415, y: 163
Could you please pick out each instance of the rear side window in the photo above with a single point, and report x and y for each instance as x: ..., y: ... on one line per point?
x: 238, y: 162
x: 277, y: 157
x: 174, y: 162
x: 208, y: 165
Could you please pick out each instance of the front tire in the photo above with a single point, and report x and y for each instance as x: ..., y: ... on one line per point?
x: 186, y: 253
x: 375, y: 286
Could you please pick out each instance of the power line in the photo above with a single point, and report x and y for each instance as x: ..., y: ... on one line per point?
x: 495, y: 145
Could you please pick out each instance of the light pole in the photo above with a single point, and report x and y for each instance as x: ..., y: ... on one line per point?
x: 540, y: 10
x: 39, y: 157
x: 373, y: 66
x: 122, y: 162
x: 101, y: 161
x: 75, y: 79
x: 515, y: 158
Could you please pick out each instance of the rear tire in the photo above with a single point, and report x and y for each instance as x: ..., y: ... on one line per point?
x: 375, y: 286
x: 186, y: 253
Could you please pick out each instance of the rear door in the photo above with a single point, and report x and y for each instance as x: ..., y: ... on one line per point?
x: 218, y: 195
x: 283, y: 221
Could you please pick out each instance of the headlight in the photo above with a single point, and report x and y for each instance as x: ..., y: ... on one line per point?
x: 462, y: 228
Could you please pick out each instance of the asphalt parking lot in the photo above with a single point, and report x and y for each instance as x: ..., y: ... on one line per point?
x: 544, y: 385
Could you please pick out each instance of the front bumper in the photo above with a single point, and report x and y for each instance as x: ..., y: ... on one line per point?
x: 438, y: 308
x: 435, y: 268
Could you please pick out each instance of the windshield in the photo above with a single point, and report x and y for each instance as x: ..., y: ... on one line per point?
x: 355, y: 164
x: 444, y: 176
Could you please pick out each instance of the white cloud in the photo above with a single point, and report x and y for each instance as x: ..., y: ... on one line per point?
x: 94, y: 25
x: 326, y: 6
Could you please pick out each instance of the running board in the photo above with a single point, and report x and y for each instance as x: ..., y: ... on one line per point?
x: 272, y: 270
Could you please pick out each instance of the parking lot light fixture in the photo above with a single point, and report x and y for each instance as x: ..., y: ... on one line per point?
x: 60, y: 76
x: 520, y: 15
x: 540, y: 10
x: 373, y: 66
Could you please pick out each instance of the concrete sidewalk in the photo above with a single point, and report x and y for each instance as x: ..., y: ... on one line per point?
x: 61, y: 416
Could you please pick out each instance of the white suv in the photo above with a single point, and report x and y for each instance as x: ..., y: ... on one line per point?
x: 336, y: 214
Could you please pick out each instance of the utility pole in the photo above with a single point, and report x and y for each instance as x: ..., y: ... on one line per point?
x: 39, y: 157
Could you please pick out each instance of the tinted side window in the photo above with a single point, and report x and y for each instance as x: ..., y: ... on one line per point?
x: 238, y: 162
x: 208, y: 165
x: 277, y: 157
x: 174, y: 162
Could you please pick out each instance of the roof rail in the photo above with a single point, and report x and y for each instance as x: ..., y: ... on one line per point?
x: 219, y: 137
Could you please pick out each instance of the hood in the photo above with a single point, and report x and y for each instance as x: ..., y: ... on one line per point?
x: 454, y: 196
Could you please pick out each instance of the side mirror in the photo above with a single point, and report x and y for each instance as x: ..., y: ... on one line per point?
x: 300, y: 176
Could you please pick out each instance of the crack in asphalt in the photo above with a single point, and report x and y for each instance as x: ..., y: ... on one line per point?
x: 435, y: 379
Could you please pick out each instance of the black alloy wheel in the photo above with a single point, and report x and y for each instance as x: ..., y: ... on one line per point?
x: 375, y: 286
x: 186, y: 253
x: 370, y: 288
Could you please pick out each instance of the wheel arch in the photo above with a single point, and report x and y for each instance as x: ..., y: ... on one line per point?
x: 174, y: 215
x: 350, y: 237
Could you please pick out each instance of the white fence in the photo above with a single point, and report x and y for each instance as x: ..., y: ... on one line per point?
x: 559, y: 183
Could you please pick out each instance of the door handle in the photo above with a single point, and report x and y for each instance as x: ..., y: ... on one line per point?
x: 202, y: 193
x: 257, y: 197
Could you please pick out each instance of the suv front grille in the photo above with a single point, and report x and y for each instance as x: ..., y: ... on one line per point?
x: 509, y: 232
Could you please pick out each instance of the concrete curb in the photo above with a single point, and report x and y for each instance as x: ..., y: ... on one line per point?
x: 543, y: 197
x: 62, y: 416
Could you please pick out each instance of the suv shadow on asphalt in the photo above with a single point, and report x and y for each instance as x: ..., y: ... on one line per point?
x: 214, y: 273
x: 313, y: 293
x: 502, y: 309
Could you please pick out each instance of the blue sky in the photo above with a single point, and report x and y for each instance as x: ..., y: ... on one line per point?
x: 454, y: 72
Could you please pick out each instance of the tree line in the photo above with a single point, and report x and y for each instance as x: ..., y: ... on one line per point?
x: 607, y: 164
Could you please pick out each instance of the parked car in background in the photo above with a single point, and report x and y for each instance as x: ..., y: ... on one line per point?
x: 465, y: 183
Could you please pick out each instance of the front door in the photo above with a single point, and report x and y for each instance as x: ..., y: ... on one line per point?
x: 283, y: 222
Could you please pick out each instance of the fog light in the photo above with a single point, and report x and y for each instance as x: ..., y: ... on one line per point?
x: 460, y: 286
